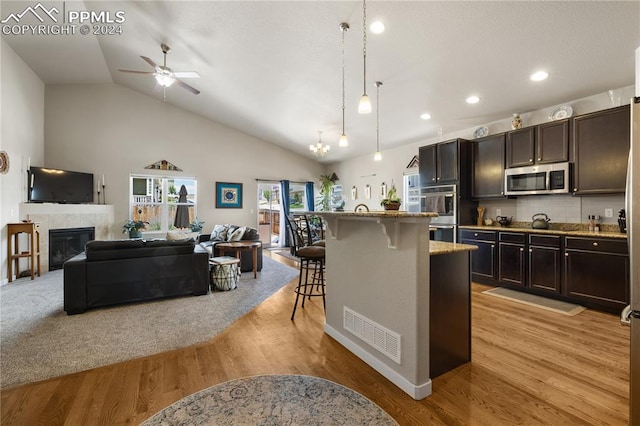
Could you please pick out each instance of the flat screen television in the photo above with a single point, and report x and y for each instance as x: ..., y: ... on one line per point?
x: 59, y: 186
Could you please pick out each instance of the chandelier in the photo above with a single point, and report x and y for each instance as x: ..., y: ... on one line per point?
x: 319, y: 149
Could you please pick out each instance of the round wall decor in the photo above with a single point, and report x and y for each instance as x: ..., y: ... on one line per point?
x: 4, y: 162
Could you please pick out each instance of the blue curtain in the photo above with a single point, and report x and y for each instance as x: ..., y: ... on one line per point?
x: 310, y: 196
x: 284, y: 211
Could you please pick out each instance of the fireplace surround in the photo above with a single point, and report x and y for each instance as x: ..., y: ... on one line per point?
x: 66, y: 243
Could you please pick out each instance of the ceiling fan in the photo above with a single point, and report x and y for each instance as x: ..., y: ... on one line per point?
x: 165, y: 76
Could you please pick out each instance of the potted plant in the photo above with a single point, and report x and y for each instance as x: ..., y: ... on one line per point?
x: 133, y: 227
x: 392, y: 202
x: 326, y: 184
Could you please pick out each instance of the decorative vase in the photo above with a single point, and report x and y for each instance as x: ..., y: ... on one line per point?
x: 516, y: 122
x: 135, y: 233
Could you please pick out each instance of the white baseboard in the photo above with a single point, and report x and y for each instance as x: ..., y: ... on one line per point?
x: 414, y: 391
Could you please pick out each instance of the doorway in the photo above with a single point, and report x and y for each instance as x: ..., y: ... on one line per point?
x: 269, y: 213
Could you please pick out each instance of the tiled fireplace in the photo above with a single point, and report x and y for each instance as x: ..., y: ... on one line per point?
x: 65, y: 217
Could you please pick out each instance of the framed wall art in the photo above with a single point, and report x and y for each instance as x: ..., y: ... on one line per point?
x: 228, y: 195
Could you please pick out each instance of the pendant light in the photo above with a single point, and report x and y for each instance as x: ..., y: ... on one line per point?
x: 378, y: 155
x: 319, y: 149
x: 344, y: 27
x: 364, y: 107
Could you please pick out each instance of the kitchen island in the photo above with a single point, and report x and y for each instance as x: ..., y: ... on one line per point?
x: 380, y: 300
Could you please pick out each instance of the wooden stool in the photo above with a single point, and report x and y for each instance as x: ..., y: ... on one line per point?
x: 14, y: 253
x: 312, y: 267
x: 225, y: 272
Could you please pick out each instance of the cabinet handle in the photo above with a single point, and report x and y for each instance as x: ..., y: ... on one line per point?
x: 475, y: 235
x: 539, y: 159
x: 501, y: 192
x: 433, y: 179
x: 595, y: 244
x: 530, y: 250
x: 575, y: 189
x: 566, y: 255
x: 531, y: 160
x: 493, y: 246
x: 521, y: 249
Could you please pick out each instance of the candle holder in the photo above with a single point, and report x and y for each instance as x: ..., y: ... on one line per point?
x: 98, y: 195
x: 104, y: 194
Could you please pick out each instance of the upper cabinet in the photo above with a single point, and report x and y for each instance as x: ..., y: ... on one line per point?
x: 542, y: 144
x: 487, y: 180
x: 441, y: 163
x: 601, y: 151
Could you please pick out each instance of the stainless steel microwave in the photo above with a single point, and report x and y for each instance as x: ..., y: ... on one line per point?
x: 542, y: 179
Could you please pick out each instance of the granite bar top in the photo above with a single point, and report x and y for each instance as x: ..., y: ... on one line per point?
x: 569, y: 229
x: 376, y: 213
x: 443, y: 247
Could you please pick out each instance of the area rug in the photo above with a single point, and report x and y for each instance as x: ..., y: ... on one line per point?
x: 38, y: 340
x: 558, y: 306
x: 274, y: 400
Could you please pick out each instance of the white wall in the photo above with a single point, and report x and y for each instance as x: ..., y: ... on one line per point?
x: 111, y: 130
x: 363, y: 170
x: 21, y: 136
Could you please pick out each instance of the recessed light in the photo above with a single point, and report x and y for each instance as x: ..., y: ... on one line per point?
x: 539, y: 76
x: 473, y: 99
x: 425, y: 116
x: 377, y: 27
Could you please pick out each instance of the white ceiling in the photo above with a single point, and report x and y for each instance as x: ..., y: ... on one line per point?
x: 272, y: 69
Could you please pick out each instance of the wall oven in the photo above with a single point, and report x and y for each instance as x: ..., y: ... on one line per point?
x: 542, y: 179
x: 442, y: 200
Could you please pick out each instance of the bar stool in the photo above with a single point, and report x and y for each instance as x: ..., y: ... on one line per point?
x: 311, y: 281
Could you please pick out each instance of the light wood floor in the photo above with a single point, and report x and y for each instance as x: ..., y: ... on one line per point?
x: 529, y: 367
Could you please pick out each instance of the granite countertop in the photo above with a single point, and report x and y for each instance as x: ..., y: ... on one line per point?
x: 443, y: 247
x: 570, y: 229
x: 376, y: 213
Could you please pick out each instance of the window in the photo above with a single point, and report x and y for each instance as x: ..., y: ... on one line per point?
x: 297, y: 198
x: 162, y: 201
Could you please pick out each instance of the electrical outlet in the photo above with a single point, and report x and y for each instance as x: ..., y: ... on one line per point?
x: 498, y: 212
x: 608, y: 212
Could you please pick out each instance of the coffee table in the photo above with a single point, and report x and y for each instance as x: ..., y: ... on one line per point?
x: 238, y: 247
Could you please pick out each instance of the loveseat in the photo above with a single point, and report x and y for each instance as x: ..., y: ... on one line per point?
x: 123, y: 271
x: 228, y: 233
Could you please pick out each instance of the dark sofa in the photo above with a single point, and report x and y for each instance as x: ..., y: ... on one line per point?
x: 123, y: 271
x: 208, y: 242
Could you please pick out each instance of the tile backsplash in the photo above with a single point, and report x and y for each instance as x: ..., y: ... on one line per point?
x: 559, y: 208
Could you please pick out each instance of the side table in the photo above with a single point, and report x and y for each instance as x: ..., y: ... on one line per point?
x: 13, y: 251
x: 225, y: 272
x: 238, y: 247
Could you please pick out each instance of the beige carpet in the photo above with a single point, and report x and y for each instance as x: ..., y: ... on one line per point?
x: 274, y: 400
x: 558, y: 306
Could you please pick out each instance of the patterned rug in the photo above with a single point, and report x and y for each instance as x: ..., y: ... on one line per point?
x: 274, y: 400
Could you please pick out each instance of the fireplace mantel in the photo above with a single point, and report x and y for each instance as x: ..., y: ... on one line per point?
x: 61, y: 216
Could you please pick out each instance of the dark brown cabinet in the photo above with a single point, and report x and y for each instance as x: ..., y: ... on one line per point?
x: 541, y: 144
x: 597, y: 271
x: 545, y: 262
x: 511, y: 258
x: 439, y: 163
x: 483, y: 260
x: 601, y: 150
x: 487, y: 180
x: 521, y: 147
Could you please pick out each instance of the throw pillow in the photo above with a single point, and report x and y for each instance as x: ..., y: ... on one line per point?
x: 237, y: 234
x: 250, y: 234
x: 219, y: 233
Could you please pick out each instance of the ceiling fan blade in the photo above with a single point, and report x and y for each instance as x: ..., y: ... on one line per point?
x: 138, y: 72
x: 186, y: 74
x: 150, y: 62
x: 186, y: 86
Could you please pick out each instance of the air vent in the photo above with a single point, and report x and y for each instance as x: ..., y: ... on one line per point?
x: 381, y: 338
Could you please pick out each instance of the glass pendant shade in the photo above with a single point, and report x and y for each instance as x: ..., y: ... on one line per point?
x: 165, y: 80
x: 377, y: 156
x: 364, y: 107
x: 343, y: 141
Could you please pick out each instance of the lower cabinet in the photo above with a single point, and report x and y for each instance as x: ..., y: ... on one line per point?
x: 511, y: 258
x: 483, y: 260
x: 597, y: 271
x: 545, y: 262
x: 590, y: 271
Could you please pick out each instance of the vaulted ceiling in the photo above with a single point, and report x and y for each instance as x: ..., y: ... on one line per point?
x: 272, y: 69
